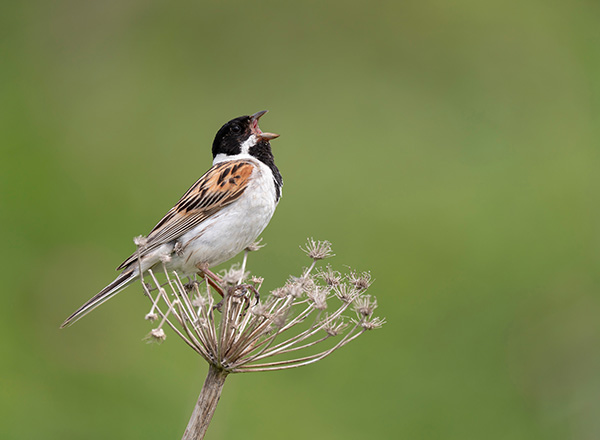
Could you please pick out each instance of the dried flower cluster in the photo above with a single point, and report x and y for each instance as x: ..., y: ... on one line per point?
x: 249, y: 330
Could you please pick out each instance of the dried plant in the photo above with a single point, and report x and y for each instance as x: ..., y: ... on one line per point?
x: 248, y: 330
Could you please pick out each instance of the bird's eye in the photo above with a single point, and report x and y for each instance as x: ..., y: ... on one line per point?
x: 236, y: 128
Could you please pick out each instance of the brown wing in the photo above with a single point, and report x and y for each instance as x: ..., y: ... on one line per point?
x: 221, y: 185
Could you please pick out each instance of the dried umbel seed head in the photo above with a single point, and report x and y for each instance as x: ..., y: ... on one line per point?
x: 318, y: 250
x: 236, y: 328
x: 199, y: 301
x: 294, y: 287
x: 178, y: 249
x: 330, y: 276
x: 156, y: 335
x: 280, y: 292
x: 257, y: 281
x: 361, y: 281
x: 280, y: 318
x: 151, y: 317
x: 372, y: 324
x: 334, y: 328
x: 345, y: 293
x: 140, y: 241
x: 318, y: 295
x: 255, y: 246
x: 306, y: 283
x: 261, y: 310
x: 364, y: 306
x: 234, y: 276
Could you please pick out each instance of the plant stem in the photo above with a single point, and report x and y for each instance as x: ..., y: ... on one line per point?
x: 206, y: 405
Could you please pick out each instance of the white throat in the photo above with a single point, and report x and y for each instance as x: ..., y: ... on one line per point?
x: 248, y: 143
x: 245, y: 147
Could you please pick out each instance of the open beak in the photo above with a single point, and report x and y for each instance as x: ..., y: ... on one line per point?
x: 256, y: 130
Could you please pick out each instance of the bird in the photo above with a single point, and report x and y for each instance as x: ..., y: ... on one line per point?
x: 218, y: 217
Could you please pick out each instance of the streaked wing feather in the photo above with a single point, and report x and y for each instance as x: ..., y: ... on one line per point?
x: 218, y: 187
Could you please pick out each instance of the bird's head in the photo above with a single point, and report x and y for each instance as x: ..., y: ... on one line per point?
x: 242, y: 136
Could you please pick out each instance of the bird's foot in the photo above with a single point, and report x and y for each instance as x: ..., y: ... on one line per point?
x: 244, y: 289
x: 240, y: 291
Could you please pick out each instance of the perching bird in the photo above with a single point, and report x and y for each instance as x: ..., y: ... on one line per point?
x: 218, y: 217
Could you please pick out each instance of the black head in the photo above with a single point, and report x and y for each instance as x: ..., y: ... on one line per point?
x: 242, y: 135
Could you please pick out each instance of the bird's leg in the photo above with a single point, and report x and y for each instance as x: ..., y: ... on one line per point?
x: 213, y: 280
x: 213, y: 275
x: 212, y: 283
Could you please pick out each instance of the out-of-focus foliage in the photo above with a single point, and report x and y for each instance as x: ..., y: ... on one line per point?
x: 449, y: 147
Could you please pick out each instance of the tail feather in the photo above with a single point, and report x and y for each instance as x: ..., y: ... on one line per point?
x: 122, y: 281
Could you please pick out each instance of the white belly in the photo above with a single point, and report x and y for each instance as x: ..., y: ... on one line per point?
x: 235, y: 227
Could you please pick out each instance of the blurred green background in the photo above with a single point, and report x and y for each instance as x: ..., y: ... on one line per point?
x: 449, y: 147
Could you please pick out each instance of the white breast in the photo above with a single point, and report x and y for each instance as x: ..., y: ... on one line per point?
x: 235, y: 227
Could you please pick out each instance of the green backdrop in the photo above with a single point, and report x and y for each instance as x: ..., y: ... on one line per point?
x: 449, y: 147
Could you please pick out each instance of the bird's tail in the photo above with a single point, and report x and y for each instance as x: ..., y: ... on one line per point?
x: 105, y: 294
